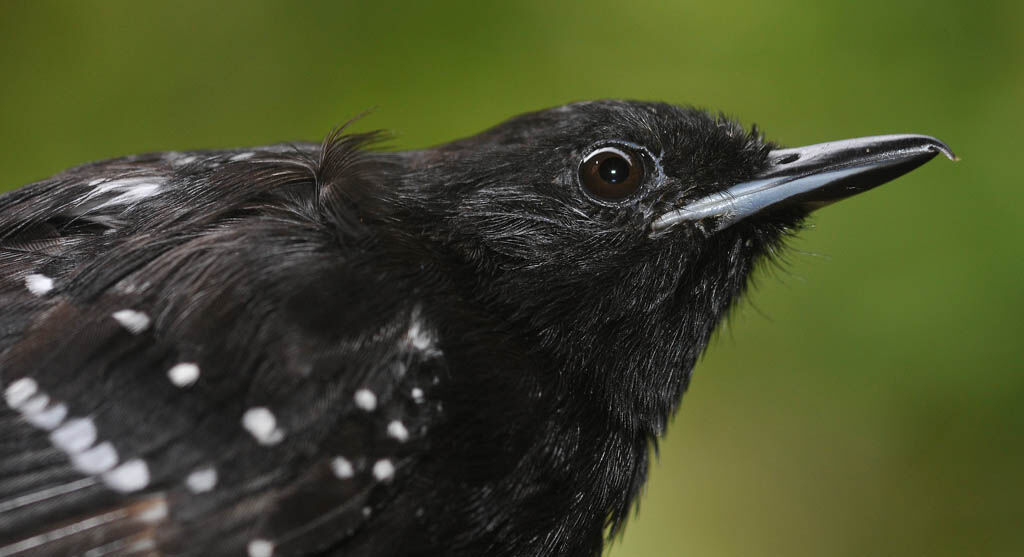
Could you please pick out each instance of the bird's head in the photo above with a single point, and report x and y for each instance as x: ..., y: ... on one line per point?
x: 616, y: 234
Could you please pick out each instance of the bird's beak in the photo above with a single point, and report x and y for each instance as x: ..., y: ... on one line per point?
x: 812, y: 176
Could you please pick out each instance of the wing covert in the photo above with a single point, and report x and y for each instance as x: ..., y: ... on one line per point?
x: 194, y: 382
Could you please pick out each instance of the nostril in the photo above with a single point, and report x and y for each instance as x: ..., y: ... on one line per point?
x: 788, y: 159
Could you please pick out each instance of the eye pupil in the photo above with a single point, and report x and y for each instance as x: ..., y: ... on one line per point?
x: 614, y: 170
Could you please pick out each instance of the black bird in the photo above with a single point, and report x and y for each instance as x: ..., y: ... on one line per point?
x: 328, y: 349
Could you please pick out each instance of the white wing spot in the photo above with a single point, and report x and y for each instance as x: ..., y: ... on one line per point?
x: 366, y: 400
x: 96, y: 460
x: 397, y: 430
x: 261, y: 548
x: 242, y: 156
x: 18, y: 393
x: 418, y: 336
x: 383, y: 470
x: 417, y: 395
x: 131, y: 476
x: 262, y: 424
x: 183, y: 374
x: 38, y: 285
x: 202, y: 480
x: 49, y: 418
x: 134, y: 321
x: 35, y: 405
x: 342, y: 468
x: 75, y: 435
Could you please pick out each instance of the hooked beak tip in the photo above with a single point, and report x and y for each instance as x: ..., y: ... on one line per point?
x: 941, y: 147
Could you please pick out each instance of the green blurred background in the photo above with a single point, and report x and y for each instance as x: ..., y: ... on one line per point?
x: 866, y: 401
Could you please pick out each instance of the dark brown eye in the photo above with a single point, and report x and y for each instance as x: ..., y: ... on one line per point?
x: 611, y: 173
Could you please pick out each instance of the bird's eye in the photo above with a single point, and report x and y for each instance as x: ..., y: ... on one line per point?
x: 611, y: 173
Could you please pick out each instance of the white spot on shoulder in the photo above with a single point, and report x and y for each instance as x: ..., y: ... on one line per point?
x: 96, y: 460
x: 202, y: 480
x: 397, y: 430
x: 261, y: 548
x: 75, y: 435
x: 18, y: 392
x: 48, y: 418
x: 417, y: 395
x: 129, y: 190
x: 242, y: 156
x: 134, y: 195
x: 131, y: 476
x: 383, y: 469
x: 184, y: 160
x: 38, y: 285
x: 367, y: 511
x: 262, y: 424
x: 342, y: 468
x: 134, y: 321
x: 418, y: 337
x: 183, y: 374
x: 366, y: 400
x: 97, y: 181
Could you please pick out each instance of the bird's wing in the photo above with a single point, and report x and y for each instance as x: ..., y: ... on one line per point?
x: 192, y: 363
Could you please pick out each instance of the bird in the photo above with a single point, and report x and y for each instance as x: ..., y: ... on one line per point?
x: 339, y: 348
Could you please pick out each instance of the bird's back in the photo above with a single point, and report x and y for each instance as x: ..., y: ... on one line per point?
x: 185, y: 342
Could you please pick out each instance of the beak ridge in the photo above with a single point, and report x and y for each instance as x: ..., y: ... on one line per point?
x: 813, y: 176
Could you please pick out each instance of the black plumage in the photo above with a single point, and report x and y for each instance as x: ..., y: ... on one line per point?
x: 330, y: 349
